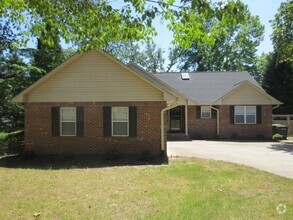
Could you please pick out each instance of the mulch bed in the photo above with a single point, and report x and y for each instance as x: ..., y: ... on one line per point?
x: 76, y: 161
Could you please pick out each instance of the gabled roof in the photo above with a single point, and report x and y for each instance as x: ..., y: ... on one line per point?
x: 208, y: 87
x: 153, y: 81
x: 203, y: 88
x: 253, y: 86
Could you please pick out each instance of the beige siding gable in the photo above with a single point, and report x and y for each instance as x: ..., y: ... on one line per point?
x: 247, y: 95
x: 94, y: 77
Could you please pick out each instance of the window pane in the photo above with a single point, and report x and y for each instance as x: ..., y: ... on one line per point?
x: 239, y: 118
x: 205, y: 114
x: 120, y: 113
x: 205, y: 111
x: 120, y: 128
x: 239, y: 110
x: 68, y: 128
x: 250, y: 110
x: 68, y: 114
x: 250, y: 119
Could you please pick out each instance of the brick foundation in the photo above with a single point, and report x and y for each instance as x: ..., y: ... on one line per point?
x: 38, y: 135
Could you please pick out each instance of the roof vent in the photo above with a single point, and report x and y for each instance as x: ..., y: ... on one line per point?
x: 185, y: 76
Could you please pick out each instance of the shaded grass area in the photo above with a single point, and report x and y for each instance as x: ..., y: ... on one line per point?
x: 184, y: 189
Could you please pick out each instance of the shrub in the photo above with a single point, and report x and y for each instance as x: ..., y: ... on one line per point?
x: 3, y: 136
x: 113, y: 154
x: 234, y: 136
x: 66, y: 156
x: 277, y: 136
x: 28, y: 155
x: 197, y: 137
x: 11, y: 143
x: 146, y: 155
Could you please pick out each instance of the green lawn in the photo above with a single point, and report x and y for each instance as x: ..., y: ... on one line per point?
x: 184, y: 189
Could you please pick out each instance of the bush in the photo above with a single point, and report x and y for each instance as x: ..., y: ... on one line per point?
x: 147, y: 156
x: 66, y: 156
x: 197, y: 137
x: 260, y: 137
x: 234, y: 136
x: 113, y: 154
x: 28, y: 155
x: 278, y: 137
x: 11, y: 143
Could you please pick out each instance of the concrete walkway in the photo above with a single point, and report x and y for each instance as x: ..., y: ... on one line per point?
x: 272, y: 157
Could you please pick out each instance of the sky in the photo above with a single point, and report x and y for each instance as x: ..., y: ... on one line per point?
x: 265, y: 9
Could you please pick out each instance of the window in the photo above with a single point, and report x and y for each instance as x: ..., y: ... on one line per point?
x: 245, y: 114
x: 120, y: 122
x: 205, y: 112
x: 68, y: 121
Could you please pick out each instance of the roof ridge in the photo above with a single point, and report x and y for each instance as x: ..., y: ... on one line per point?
x: 244, y: 71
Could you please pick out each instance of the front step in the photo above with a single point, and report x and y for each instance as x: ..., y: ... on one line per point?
x: 177, y: 137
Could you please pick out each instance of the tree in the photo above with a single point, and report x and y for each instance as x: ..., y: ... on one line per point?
x: 234, y: 47
x: 48, y: 56
x: 95, y: 23
x: 278, y: 82
x: 12, y: 81
x: 278, y: 73
x: 126, y: 52
x: 283, y: 31
x: 261, y: 63
x: 150, y: 57
x: 154, y: 61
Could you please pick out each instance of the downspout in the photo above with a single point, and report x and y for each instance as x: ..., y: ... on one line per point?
x: 277, y: 106
x: 218, y: 120
x: 172, y: 105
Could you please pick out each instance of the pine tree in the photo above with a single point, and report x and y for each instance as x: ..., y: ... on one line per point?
x: 278, y: 82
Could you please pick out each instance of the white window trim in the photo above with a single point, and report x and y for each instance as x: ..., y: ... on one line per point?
x: 244, y: 114
x: 61, y: 134
x: 112, y: 119
x: 210, y: 111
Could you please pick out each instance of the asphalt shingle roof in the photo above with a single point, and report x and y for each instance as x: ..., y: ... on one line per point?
x: 206, y: 87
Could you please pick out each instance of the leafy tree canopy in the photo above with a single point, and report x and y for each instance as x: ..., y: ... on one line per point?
x: 234, y: 47
x: 282, y: 36
x: 95, y: 23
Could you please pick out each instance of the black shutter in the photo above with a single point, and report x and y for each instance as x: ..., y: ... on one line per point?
x: 79, y: 121
x: 132, y: 121
x: 258, y: 114
x: 232, y: 114
x: 197, y: 111
x: 214, y: 113
x: 107, y: 121
x: 55, y: 119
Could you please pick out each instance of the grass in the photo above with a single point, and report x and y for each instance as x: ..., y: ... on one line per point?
x: 185, y: 189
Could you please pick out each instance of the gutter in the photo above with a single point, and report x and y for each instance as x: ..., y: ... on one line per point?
x: 277, y: 106
x: 172, y: 105
x: 218, y: 120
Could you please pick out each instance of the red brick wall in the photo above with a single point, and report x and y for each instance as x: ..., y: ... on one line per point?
x: 38, y: 135
x: 200, y: 128
x: 228, y: 130
x: 207, y: 128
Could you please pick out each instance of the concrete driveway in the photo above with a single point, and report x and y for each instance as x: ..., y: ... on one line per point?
x: 274, y: 157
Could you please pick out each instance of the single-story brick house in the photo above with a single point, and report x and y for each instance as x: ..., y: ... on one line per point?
x: 92, y: 103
